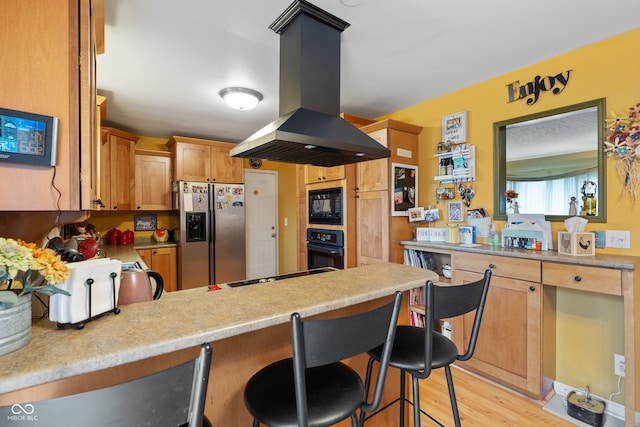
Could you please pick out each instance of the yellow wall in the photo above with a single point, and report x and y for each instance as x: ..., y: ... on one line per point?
x: 106, y: 220
x: 607, y: 69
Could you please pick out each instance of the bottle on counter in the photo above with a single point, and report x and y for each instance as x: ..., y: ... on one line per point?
x: 494, y: 239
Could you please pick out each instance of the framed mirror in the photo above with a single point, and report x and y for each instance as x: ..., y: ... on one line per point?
x: 550, y: 157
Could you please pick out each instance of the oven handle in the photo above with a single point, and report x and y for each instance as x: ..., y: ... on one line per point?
x: 325, y: 249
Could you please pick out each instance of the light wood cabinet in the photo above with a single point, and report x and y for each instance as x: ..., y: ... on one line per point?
x: 372, y: 227
x: 51, y: 72
x: 521, y: 338
x: 592, y: 279
x: 117, y: 169
x: 205, y: 161
x: 377, y: 232
x: 509, y: 347
x: 153, y: 179
x: 164, y: 261
x: 315, y: 174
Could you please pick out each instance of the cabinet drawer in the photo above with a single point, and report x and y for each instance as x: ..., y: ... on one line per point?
x: 595, y: 279
x: 515, y: 268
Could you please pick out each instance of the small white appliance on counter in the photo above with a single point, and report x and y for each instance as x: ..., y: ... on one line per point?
x: 212, y: 233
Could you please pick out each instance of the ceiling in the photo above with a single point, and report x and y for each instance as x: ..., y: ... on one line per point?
x: 165, y: 61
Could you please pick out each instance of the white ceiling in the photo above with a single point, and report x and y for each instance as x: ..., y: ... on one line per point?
x: 166, y: 60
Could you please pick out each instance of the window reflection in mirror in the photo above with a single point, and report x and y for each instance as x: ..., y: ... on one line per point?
x: 550, y: 157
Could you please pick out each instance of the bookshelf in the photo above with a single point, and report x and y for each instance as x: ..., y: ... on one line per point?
x: 416, y: 257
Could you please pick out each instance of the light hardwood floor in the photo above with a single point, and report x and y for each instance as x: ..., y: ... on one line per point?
x: 481, y: 403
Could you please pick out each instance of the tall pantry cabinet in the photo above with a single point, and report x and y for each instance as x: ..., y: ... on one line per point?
x: 379, y: 233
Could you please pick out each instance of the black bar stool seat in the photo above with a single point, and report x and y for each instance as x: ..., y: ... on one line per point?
x: 271, y: 393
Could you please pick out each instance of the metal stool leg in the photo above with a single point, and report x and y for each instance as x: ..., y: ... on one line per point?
x: 403, y: 399
x: 452, y: 396
x: 416, y: 401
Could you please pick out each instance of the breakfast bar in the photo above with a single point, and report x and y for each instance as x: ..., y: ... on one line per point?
x: 248, y: 327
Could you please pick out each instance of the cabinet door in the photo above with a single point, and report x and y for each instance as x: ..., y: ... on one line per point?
x: 164, y: 262
x: 224, y: 168
x: 335, y: 173
x: 193, y: 162
x: 373, y: 175
x: 313, y: 174
x: 121, y: 172
x: 153, y: 182
x: 509, y: 344
x: 372, y: 227
x: 145, y: 256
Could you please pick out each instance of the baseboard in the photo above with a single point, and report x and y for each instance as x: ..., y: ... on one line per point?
x: 612, y: 409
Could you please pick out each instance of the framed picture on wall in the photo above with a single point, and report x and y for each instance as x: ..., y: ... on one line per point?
x: 404, y: 194
x: 416, y: 214
x: 455, y: 212
x: 454, y: 128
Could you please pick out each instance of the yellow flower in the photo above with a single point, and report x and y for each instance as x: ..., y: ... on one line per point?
x: 25, y: 268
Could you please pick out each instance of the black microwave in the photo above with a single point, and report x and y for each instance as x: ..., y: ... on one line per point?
x: 325, y: 206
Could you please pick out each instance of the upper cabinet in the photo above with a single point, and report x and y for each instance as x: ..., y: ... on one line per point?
x: 117, y: 171
x: 60, y: 83
x: 205, y: 160
x: 153, y: 179
x: 315, y: 174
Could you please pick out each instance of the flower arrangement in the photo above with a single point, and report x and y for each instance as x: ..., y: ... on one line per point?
x: 26, y: 268
x: 510, y: 195
x: 622, y: 143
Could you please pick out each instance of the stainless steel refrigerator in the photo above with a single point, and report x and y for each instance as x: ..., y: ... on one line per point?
x: 212, y: 233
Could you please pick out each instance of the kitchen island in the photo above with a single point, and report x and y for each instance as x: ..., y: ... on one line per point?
x: 247, y: 326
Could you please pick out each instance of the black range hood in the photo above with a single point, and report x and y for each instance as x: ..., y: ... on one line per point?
x: 309, y: 129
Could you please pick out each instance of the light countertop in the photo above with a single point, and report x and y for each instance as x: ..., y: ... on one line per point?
x: 599, y: 260
x: 184, y: 319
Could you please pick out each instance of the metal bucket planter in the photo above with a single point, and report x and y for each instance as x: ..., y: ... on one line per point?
x: 15, y: 324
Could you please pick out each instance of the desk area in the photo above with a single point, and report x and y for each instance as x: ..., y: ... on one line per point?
x: 522, y: 320
x: 247, y: 326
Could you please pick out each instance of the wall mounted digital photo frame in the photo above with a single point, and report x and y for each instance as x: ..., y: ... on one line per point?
x: 28, y: 138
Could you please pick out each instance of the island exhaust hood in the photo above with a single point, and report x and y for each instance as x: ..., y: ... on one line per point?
x: 309, y: 129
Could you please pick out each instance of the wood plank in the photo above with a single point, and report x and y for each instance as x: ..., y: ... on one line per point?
x: 481, y: 403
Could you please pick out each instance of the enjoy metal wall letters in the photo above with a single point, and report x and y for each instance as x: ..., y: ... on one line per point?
x: 532, y: 90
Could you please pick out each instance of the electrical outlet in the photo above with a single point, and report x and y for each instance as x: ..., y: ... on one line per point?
x: 618, y: 239
x: 618, y: 364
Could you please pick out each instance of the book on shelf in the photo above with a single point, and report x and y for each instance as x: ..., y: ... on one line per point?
x: 417, y: 319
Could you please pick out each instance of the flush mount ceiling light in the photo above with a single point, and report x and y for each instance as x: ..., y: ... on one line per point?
x: 241, y: 98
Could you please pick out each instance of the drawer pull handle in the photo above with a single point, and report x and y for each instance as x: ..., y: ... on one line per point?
x: 577, y: 278
x: 532, y: 288
x: 492, y: 266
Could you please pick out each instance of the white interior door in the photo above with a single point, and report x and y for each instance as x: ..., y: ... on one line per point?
x: 261, y: 198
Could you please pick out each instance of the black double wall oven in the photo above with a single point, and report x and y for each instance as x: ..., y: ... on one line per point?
x: 325, y: 247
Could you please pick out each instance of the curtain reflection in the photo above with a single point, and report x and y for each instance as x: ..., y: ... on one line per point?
x: 551, y: 197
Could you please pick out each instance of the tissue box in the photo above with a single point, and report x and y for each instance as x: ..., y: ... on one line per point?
x: 576, y: 244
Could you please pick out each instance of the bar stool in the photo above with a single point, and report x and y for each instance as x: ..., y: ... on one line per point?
x: 173, y: 397
x: 314, y: 388
x: 417, y: 351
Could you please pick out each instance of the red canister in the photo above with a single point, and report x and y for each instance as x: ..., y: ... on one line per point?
x: 126, y: 238
x: 113, y: 236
